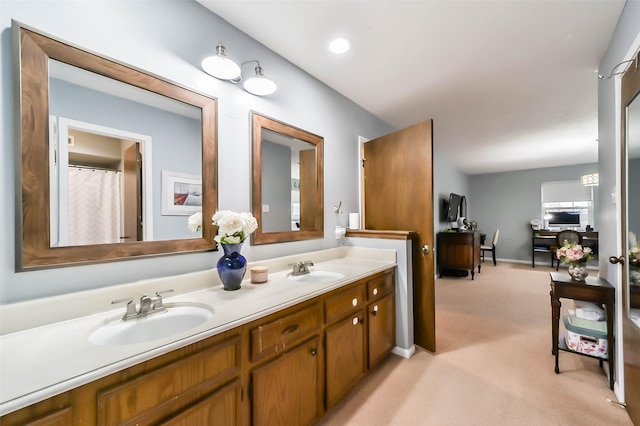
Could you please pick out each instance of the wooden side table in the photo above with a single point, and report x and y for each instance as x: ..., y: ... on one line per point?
x: 593, y: 289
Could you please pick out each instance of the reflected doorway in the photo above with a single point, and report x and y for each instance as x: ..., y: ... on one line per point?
x: 98, y: 184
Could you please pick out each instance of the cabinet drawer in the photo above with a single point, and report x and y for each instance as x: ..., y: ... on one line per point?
x: 344, y: 302
x: 167, y: 390
x: 277, y: 335
x: 380, y: 286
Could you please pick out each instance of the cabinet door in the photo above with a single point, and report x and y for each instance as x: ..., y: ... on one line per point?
x: 221, y: 407
x: 285, y: 391
x: 345, y: 362
x: 382, y: 328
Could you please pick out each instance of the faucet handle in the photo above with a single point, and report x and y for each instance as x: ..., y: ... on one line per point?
x: 308, y: 262
x: 131, y: 307
x: 157, y: 302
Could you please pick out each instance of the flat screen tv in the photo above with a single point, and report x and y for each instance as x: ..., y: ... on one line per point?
x: 452, y: 207
x: 564, y: 219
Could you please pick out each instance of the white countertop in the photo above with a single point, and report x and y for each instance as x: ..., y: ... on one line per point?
x: 39, y: 362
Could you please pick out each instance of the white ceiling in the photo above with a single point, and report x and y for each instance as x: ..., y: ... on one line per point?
x: 509, y: 84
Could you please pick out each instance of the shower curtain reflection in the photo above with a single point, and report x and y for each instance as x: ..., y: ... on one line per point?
x: 94, y: 206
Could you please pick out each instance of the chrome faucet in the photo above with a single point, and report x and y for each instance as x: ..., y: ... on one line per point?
x: 301, y: 268
x: 148, y: 305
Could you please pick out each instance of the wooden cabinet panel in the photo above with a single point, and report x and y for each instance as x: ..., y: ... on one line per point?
x: 277, y: 335
x: 59, y: 418
x: 285, y: 391
x: 382, y: 328
x: 344, y: 302
x: 380, y: 286
x: 220, y: 408
x: 155, y: 395
x: 345, y: 355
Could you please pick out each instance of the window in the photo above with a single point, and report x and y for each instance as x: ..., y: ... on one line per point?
x: 567, y: 205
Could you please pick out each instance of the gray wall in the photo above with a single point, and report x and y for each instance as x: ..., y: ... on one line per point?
x: 276, y: 187
x: 169, y: 39
x: 447, y: 179
x: 509, y: 200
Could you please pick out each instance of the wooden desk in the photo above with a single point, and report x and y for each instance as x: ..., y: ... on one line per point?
x: 593, y: 289
x: 545, y: 241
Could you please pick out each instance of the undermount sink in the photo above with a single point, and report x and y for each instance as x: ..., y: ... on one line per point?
x: 316, y: 277
x: 177, y: 319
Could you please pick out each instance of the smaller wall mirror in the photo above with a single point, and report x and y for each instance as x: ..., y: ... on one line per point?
x: 287, y: 193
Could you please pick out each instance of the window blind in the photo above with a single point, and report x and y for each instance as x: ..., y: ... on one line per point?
x: 567, y: 191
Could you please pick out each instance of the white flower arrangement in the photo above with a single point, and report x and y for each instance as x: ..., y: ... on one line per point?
x: 233, y: 227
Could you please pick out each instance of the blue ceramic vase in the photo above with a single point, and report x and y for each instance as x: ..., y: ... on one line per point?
x: 232, y: 266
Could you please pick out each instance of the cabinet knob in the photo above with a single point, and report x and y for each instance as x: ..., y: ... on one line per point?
x: 425, y: 249
x: 375, y: 291
x: 354, y: 302
x: 355, y: 320
x: 375, y: 310
x: 314, y: 351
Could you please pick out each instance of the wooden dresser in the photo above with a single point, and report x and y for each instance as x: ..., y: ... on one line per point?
x: 458, y: 251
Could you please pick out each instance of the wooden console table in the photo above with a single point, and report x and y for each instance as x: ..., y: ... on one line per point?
x: 458, y: 251
x: 593, y: 289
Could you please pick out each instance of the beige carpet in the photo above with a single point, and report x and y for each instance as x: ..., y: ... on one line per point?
x: 493, y: 364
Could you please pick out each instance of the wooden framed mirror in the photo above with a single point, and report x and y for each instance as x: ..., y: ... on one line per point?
x: 288, y: 185
x: 43, y: 134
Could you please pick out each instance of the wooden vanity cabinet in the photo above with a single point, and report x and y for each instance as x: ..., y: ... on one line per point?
x: 285, y: 385
x: 287, y: 389
x: 364, y: 334
x: 344, y: 340
x: 190, y: 387
x: 381, y: 318
x: 286, y: 368
x: 199, y: 381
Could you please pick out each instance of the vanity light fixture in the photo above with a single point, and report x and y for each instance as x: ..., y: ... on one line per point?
x: 220, y: 66
x: 259, y: 84
x: 223, y: 68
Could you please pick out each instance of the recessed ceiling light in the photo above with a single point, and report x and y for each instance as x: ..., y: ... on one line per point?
x: 339, y: 45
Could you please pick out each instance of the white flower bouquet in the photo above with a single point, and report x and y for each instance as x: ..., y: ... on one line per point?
x: 233, y: 227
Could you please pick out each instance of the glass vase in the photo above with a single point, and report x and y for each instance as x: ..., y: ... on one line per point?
x: 578, y: 271
x: 232, y: 266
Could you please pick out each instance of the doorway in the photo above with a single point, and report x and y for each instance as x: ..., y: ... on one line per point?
x: 107, y: 172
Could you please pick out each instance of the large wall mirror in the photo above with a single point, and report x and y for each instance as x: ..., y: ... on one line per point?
x: 287, y: 193
x: 113, y: 160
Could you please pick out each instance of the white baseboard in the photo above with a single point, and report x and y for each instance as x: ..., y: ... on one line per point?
x: 404, y: 353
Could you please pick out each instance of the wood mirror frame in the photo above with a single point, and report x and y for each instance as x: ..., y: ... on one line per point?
x: 313, y: 209
x: 33, y: 251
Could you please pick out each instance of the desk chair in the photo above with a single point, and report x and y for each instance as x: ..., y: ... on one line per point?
x: 492, y: 247
x: 566, y: 235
